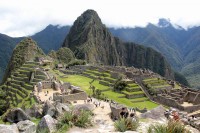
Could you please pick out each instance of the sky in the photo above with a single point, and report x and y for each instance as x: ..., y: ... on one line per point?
x: 26, y: 17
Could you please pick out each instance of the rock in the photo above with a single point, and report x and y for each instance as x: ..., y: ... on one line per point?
x: 15, y: 115
x: 35, y: 111
x: 9, y: 128
x: 26, y: 126
x: 155, y: 113
x: 47, y: 123
x: 88, y: 107
x: 49, y: 109
x: 61, y: 108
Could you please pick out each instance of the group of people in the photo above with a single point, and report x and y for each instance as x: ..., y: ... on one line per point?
x: 128, y: 115
x: 172, y: 114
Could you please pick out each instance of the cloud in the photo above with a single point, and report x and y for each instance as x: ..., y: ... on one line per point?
x: 26, y: 17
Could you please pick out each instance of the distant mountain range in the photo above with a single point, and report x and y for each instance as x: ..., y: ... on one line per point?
x: 180, y: 47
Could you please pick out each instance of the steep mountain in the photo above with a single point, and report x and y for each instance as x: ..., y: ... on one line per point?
x: 179, y: 46
x: 89, y: 39
x: 51, y: 37
x: 156, y: 37
x: 26, y: 50
x: 7, y: 44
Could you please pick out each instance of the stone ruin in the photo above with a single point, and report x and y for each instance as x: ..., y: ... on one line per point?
x: 183, y: 99
x: 67, y: 93
x: 116, y: 110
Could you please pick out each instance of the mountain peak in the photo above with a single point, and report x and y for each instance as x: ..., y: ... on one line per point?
x: 162, y: 22
x: 89, y: 17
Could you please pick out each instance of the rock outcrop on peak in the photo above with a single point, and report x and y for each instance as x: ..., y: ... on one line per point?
x: 26, y: 50
x: 89, y: 39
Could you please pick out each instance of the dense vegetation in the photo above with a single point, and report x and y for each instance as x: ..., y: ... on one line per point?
x: 65, y: 55
x: 26, y: 50
x: 181, y: 79
x: 180, y: 47
x: 3, y: 103
x: 90, y: 40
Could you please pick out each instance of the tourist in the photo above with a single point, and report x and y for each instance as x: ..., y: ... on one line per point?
x: 126, y: 114
x: 167, y: 114
x: 175, y: 115
x: 122, y: 113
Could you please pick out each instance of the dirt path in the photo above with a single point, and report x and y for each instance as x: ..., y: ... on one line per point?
x: 101, y: 120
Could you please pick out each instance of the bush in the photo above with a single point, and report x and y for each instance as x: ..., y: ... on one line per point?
x: 120, y: 85
x: 76, y: 62
x: 79, y: 119
x: 124, y: 124
x: 171, y: 127
x: 83, y: 119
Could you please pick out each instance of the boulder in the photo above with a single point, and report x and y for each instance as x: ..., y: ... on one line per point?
x: 49, y: 109
x: 15, y: 115
x: 47, y: 123
x: 88, y: 107
x: 61, y: 108
x: 9, y: 128
x: 35, y: 111
x: 155, y: 113
x: 26, y: 126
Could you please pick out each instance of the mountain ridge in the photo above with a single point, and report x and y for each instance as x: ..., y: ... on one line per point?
x: 91, y: 40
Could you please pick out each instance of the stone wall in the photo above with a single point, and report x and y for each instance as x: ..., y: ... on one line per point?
x: 190, y: 97
x: 173, y: 103
x: 116, y: 109
x: 64, y: 98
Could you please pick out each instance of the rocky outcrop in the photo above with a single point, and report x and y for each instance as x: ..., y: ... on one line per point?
x: 61, y: 108
x: 49, y: 109
x: 47, y: 123
x: 35, y: 111
x: 79, y: 107
x: 9, y: 128
x: 89, y: 39
x: 155, y: 113
x: 15, y: 115
x: 26, y: 127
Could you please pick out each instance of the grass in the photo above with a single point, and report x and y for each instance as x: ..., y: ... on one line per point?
x: 83, y: 82
x: 133, y: 93
x: 36, y: 121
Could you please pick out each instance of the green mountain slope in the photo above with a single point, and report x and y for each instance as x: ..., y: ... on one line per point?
x: 26, y: 50
x: 89, y: 39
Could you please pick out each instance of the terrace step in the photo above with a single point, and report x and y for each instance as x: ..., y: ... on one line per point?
x: 102, y: 82
x: 141, y: 99
x: 132, y: 95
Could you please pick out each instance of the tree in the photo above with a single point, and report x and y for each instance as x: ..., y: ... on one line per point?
x: 120, y: 85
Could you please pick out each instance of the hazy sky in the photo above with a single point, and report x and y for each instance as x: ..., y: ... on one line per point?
x: 26, y: 17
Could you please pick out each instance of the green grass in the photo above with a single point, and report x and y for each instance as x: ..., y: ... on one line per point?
x: 133, y: 85
x: 139, y: 99
x: 133, y: 93
x: 36, y: 121
x: 83, y: 82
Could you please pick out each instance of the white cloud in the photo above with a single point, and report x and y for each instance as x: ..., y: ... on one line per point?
x: 25, y: 17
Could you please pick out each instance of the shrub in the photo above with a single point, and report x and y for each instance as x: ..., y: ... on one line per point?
x: 76, y: 62
x: 80, y: 119
x: 83, y: 119
x: 171, y: 127
x: 120, y: 85
x: 124, y: 124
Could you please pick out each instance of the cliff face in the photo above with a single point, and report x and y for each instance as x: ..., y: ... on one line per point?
x: 89, y: 39
x: 26, y: 50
